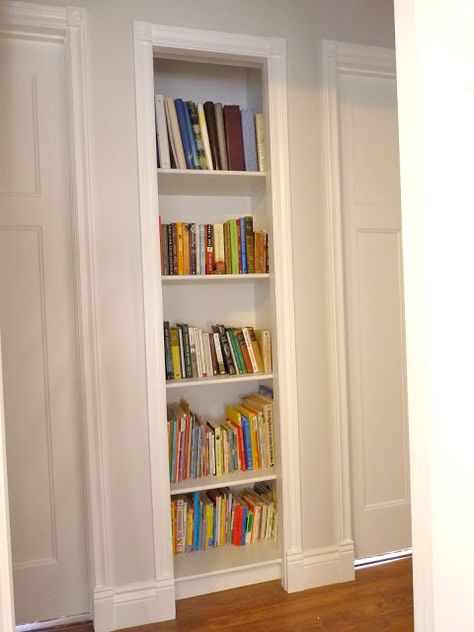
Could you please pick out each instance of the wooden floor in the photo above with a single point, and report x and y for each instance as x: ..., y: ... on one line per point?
x: 380, y: 600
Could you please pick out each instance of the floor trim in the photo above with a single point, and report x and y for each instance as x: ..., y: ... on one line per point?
x: 75, y: 623
x: 374, y: 560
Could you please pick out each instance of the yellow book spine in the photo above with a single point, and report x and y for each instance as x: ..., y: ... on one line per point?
x: 180, y: 246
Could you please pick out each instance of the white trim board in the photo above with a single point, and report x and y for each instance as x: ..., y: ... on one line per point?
x: 269, y: 54
x: 69, y: 25
x: 342, y: 58
x: 7, y: 610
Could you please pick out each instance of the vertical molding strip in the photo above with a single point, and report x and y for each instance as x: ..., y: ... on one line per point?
x: 350, y: 59
x: 7, y: 611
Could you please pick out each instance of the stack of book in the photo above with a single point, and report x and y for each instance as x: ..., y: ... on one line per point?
x: 208, y: 136
x: 218, y: 517
x: 192, y: 352
x: 244, y: 441
x: 230, y: 248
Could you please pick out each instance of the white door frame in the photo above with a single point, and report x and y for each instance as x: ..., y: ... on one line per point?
x: 68, y: 25
x: 7, y: 612
x: 339, y: 57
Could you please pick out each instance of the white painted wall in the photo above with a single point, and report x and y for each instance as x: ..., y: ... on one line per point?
x: 435, y: 61
x: 120, y: 309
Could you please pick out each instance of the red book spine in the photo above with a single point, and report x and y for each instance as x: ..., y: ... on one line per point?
x: 237, y: 530
x: 209, y: 250
x: 233, y: 135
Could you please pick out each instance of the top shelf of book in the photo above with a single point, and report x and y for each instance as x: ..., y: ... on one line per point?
x: 203, y: 182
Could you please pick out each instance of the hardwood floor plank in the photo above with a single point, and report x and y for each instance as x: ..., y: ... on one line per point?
x: 380, y: 600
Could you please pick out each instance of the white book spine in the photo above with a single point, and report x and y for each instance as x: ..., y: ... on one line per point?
x: 207, y: 354
x: 161, y: 132
x: 201, y: 355
x: 220, y: 357
x: 248, y: 342
x: 171, y: 107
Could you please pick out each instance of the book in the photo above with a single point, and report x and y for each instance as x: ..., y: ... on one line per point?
x: 218, y: 249
x: 244, y: 350
x: 243, y: 246
x: 179, y: 248
x: 237, y: 353
x: 168, y: 354
x: 174, y: 133
x: 248, y: 343
x: 186, y: 249
x: 191, y: 136
x: 184, y: 132
x: 260, y: 135
x: 249, y: 244
x: 234, y: 246
x: 209, y: 249
x: 249, y: 139
x: 219, y: 356
x: 226, y: 353
x: 233, y: 135
x: 264, y: 340
x: 175, y: 353
x: 164, y: 160
x: 193, y: 113
x: 205, y: 137
x: 219, y: 116
x: 256, y: 349
x: 260, y: 253
x: 212, y: 132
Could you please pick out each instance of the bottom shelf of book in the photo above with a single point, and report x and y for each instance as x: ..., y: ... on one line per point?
x: 226, y: 558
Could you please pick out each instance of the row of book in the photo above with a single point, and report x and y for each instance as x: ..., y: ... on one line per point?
x: 208, y: 136
x: 192, y: 352
x: 244, y: 441
x: 217, y: 517
x: 230, y: 248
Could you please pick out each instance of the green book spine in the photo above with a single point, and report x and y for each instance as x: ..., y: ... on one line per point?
x: 237, y: 352
x: 249, y: 242
x: 234, y: 246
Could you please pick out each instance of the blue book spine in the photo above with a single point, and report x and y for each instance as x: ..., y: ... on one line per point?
x: 196, y: 521
x: 243, y: 245
x: 214, y: 525
x: 249, y: 139
x: 181, y: 114
x: 247, y: 442
x: 244, y: 524
x: 189, y: 127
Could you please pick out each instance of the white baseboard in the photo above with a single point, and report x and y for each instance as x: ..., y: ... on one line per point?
x: 227, y: 579
x: 150, y: 602
x: 331, y: 565
x: 42, y: 625
x: 133, y: 605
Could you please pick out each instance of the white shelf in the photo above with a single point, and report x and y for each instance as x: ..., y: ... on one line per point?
x: 212, y: 278
x: 218, y: 379
x: 202, y: 182
x: 224, y: 558
x: 224, y: 480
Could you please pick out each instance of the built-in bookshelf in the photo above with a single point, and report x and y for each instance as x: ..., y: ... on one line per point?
x: 248, y: 74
